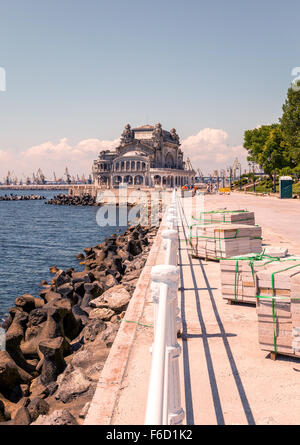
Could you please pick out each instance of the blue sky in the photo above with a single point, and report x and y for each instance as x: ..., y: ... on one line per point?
x: 82, y: 69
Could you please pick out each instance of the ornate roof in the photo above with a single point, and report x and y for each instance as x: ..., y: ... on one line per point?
x: 144, y: 127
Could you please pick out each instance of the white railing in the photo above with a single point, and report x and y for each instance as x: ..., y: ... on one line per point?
x: 164, y: 395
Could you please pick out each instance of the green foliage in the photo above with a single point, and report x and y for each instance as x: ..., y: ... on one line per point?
x: 267, y: 147
x: 290, y: 122
x: 276, y: 147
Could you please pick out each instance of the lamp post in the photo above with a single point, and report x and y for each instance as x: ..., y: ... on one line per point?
x: 274, y: 184
x: 253, y: 177
x: 229, y: 170
x: 240, y: 169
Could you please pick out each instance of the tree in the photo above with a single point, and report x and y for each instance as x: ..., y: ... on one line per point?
x: 290, y: 121
x: 267, y: 147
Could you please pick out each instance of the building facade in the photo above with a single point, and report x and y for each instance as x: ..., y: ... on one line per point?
x: 147, y: 156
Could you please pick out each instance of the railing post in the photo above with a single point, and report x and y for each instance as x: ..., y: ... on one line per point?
x: 170, y: 244
x: 168, y: 275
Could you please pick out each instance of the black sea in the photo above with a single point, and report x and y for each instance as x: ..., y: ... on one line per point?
x: 35, y: 236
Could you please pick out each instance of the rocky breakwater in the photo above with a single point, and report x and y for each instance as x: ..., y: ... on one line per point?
x: 84, y: 200
x: 57, y: 343
x: 13, y: 197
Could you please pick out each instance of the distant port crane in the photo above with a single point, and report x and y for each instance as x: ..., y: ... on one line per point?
x: 67, y: 174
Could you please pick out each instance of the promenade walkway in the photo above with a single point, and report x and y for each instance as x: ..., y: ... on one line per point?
x: 225, y: 377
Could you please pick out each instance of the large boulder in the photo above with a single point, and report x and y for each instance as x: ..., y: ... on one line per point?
x: 86, y: 277
x: 58, y: 417
x: 92, y: 329
x: 72, y: 385
x: 22, y: 417
x: 53, y: 362
x: 37, y: 407
x: 2, y: 412
x: 104, y: 313
x: 116, y: 298
x: 11, y: 374
x: 28, y: 302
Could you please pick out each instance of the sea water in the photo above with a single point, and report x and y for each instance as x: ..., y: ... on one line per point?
x: 35, y: 236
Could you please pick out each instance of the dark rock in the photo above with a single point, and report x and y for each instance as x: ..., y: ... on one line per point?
x: 53, y: 363
x: 80, y: 314
x: 49, y: 295
x: 65, y: 290
x: 28, y: 302
x: 2, y: 412
x: 61, y: 278
x: 22, y: 417
x: 37, y: 407
x: 36, y: 317
x: 11, y: 374
x: 92, y: 329
x: 79, y: 288
x: 72, y: 325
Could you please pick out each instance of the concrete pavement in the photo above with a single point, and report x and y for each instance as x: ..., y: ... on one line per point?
x: 225, y: 377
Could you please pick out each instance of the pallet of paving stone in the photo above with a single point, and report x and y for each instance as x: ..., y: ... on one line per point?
x: 278, y: 308
x: 218, y: 241
x: 227, y: 217
x: 238, y: 276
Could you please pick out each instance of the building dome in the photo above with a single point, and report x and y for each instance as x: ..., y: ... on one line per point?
x: 133, y: 154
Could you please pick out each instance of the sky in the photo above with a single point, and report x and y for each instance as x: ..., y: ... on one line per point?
x: 78, y: 71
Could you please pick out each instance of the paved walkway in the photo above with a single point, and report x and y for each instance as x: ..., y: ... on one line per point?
x: 225, y: 377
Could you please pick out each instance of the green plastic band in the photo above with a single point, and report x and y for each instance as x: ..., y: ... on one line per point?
x: 137, y: 322
x: 235, y: 280
x: 273, y: 300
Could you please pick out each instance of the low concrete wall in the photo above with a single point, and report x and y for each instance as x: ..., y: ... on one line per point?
x: 106, y: 395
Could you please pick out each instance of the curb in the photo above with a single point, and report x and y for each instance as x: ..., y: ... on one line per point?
x: 105, y: 397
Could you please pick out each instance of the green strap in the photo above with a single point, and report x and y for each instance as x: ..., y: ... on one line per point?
x: 282, y: 270
x: 235, y: 280
x: 273, y: 301
x: 137, y: 322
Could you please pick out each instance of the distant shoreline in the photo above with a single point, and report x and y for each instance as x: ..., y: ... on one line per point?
x: 35, y: 187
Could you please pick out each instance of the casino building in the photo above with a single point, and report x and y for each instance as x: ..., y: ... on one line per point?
x: 147, y: 156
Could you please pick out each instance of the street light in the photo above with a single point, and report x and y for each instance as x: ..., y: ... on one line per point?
x: 240, y: 169
x: 229, y: 170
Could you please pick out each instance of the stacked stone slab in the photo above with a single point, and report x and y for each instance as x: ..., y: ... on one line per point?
x: 295, y: 303
x: 228, y: 216
x: 278, y: 308
x: 218, y: 241
x: 238, y: 276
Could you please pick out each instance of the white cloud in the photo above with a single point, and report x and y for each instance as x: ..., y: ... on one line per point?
x: 51, y: 157
x: 207, y: 150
